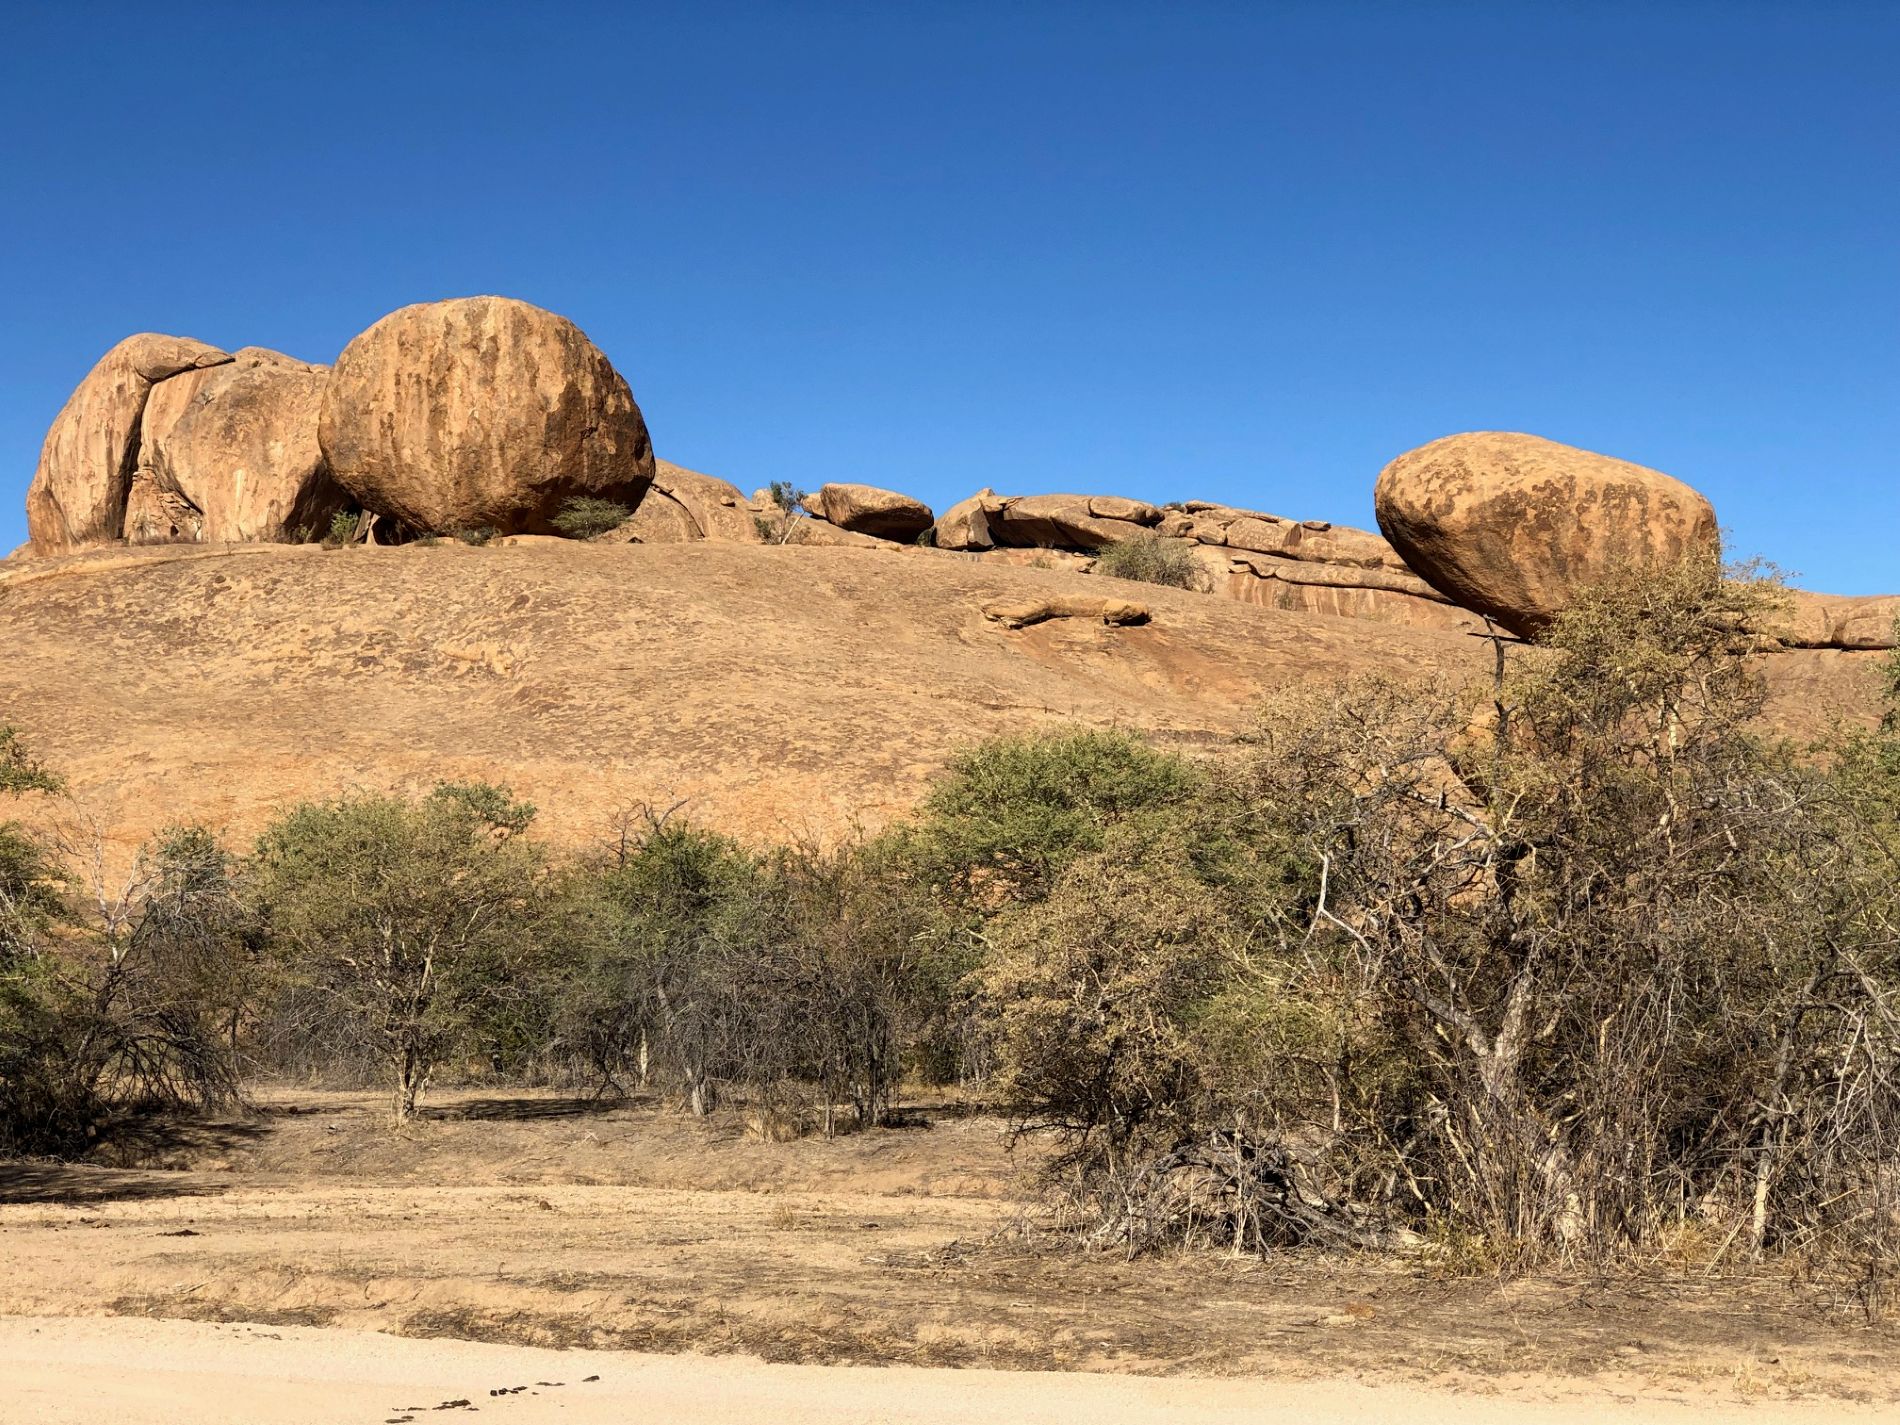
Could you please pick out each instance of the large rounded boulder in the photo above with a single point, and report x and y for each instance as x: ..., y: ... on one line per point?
x: 79, y: 490
x: 480, y: 413
x: 1512, y: 526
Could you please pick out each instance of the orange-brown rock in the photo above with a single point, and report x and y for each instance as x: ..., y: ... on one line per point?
x: 821, y: 533
x: 1869, y: 621
x: 156, y: 515
x: 313, y: 672
x: 866, y: 509
x: 1026, y: 612
x: 1512, y: 525
x: 482, y: 412
x: 79, y: 490
x: 1069, y: 521
x: 1337, y: 591
x: 660, y: 519
x: 240, y: 448
x: 1064, y: 559
x: 715, y: 506
x: 966, y: 525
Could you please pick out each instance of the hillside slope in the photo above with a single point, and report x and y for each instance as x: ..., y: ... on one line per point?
x: 777, y: 691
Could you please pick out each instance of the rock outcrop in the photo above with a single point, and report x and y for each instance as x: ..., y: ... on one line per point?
x: 781, y: 692
x: 1067, y: 521
x: 1023, y: 613
x: 660, y: 519
x: 1844, y: 621
x: 1511, y: 526
x: 84, y: 479
x: 481, y: 412
x: 966, y: 524
x: 1307, y: 566
x: 229, y: 454
x: 684, y: 505
x: 866, y: 509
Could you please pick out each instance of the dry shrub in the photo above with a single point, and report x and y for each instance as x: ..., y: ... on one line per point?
x: 1150, y: 558
x: 1549, y: 983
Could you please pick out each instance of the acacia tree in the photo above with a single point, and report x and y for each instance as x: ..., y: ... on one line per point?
x: 665, y: 992
x: 1556, y: 970
x: 1639, y: 959
x: 407, y: 917
x: 865, y: 974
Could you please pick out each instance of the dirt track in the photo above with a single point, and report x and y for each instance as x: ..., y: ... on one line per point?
x: 65, y: 1372
x: 535, y: 1221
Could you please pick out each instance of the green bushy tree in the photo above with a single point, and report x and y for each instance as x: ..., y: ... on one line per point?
x: 408, y: 918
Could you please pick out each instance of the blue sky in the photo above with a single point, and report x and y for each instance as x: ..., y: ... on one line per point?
x: 1246, y: 252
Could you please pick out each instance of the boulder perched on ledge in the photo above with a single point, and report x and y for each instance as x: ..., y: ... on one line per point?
x: 866, y: 509
x: 1512, y: 526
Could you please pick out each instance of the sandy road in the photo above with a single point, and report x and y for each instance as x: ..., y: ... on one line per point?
x: 65, y: 1370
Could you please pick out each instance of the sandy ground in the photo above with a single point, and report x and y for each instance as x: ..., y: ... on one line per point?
x: 160, y: 1373
x: 524, y: 1222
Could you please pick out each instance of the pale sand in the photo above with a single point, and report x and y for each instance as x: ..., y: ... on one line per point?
x: 55, y: 1370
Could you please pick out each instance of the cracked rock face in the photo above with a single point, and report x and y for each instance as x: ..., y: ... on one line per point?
x: 481, y: 412
x: 84, y: 478
x: 238, y: 444
x: 1512, y: 526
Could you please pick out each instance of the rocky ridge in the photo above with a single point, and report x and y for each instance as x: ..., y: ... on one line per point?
x: 221, y: 683
x: 485, y: 416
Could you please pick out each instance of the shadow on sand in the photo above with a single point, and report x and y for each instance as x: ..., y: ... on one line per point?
x: 135, y: 1138
x: 526, y: 1110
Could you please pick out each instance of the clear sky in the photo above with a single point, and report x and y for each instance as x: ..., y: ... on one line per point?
x: 1246, y: 252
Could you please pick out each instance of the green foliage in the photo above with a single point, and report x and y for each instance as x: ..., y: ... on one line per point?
x: 587, y: 516
x: 476, y: 536
x: 345, y: 525
x: 32, y: 885
x: 39, y: 1104
x: 1096, y: 990
x: 1151, y: 558
x: 796, y: 980
x: 1008, y: 815
x: 407, y: 917
x: 20, y: 772
x: 493, y: 807
x: 786, y: 524
x: 1890, y: 683
x: 132, y: 1002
